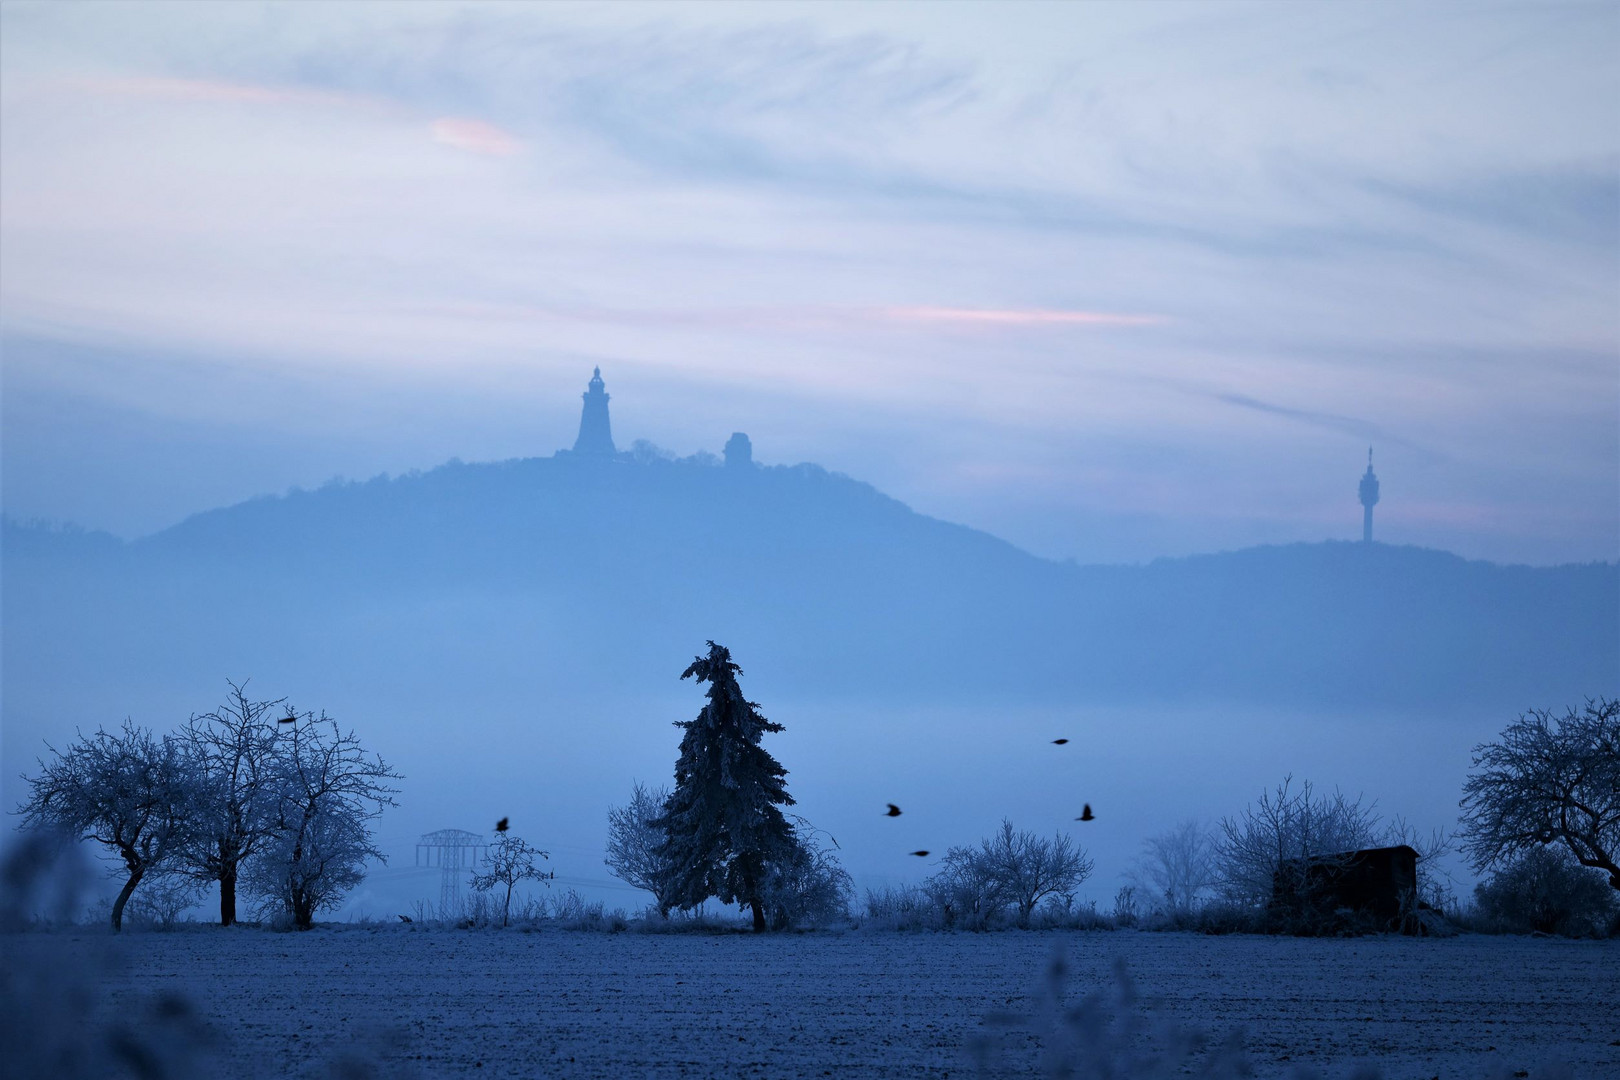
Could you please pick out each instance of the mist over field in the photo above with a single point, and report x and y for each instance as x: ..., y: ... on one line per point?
x: 510, y: 636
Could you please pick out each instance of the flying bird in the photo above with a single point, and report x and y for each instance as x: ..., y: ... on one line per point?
x: 500, y: 826
x: 1086, y: 814
x: 920, y: 854
x: 290, y: 718
x: 894, y: 811
x: 1059, y: 742
x: 405, y: 918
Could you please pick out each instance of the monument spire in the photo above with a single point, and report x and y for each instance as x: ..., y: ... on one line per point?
x: 1369, y: 498
x: 595, y: 433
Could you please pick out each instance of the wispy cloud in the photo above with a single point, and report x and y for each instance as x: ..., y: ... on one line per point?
x: 217, y: 90
x: 474, y: 136
x: 1018, y: 317
x: 1348, y: 425
x: 461, y: 132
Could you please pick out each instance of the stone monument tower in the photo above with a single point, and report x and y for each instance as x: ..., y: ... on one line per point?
x: 1369, y: 499
x: 595, y: 433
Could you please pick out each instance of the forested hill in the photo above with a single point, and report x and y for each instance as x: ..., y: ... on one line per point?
x: 577, y: 570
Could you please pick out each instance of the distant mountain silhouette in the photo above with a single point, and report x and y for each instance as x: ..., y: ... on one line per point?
x: 611, y: 569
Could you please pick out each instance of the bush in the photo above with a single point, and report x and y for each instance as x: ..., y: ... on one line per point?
x: 808, y: 889
x: 572, y: 911
x: 1545, y: 890
x: 1064, y: 913
x: 906, y: 907
x: 162, y: 901
x: 698, y: 920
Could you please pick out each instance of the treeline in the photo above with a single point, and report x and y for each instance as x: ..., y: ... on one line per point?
x: 1540, y: 817
x: 274, y: 803
x: 256, y: 797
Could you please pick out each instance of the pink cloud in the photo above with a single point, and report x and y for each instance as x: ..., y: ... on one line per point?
x: 463, y: 133
x: 216, y: 90
x: 474, y: 136
x: 1018, y: 317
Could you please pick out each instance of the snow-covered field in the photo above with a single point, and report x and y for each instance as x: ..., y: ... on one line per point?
x: 566, y: 1004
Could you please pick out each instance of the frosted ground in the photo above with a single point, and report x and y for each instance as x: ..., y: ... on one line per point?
x: 567, y: 1004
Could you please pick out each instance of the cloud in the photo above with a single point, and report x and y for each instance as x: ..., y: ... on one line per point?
x: 1017, y: 317
x: 474, y: 136
x: 217, y: 90
x: 1349, y: 425
x: 461, y: 132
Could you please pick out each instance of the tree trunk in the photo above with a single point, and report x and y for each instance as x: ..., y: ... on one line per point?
x: 759, y: 914
x: 123, y: 898
x: 227, y: 897
x: 303, y: 910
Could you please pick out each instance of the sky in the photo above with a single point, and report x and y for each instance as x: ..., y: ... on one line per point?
x: 1113, y: 282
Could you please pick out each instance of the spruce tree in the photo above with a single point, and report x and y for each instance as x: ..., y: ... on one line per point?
x: 722, y: 826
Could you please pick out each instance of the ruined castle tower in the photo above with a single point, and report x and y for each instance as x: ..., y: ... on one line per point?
x: 595, y: 433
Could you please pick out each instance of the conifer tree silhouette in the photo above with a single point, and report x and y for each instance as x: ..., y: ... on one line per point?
x: 722, y: 824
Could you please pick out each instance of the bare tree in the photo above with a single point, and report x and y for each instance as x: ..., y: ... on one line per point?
x: 1176, y: 866
x: 634, y: 842
x: 126, y: 790
x: 231, y: 757
x: 327, y: 791
x: 1027, y: 868
x: 1010, y: 868
x: 510, y: 860
x: 1283, y: 828
x: 1549, y: 780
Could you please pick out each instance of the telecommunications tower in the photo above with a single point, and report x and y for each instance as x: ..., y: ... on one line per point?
x: 1369, y: 499
x: 454, y: 851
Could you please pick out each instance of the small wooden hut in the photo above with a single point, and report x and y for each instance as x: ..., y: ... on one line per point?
x: 1377, y: 884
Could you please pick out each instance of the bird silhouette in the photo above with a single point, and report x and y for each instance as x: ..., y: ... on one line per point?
x: 920, y: 854
x: 894, y: 811
x: 1086, y: 814
x: 290, y: 718
x: 500, y: 826
x: 1059, y: 742
x: 406, y: 918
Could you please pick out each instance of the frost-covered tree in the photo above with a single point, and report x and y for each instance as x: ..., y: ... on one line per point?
x: 1023, y: 868
x: 1176, y: 866
x: 231, y: 762
x: 1546, y: 890
x: 1012, y: 868
x: 1550, y: 780
x: 1285, y: 828
x: 723, y: 825
x: 634, y: 841
x: 808, y: 886
x: 963, y: 889
x: 127, y: 790
x: 510, y: 861
x: 328, y: 790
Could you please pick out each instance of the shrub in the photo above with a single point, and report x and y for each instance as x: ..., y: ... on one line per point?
x: 163, y: 901
x: 904, y: 907
x: 1065, y: 913
x: 1545, y: 890
x: 809, y: 888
